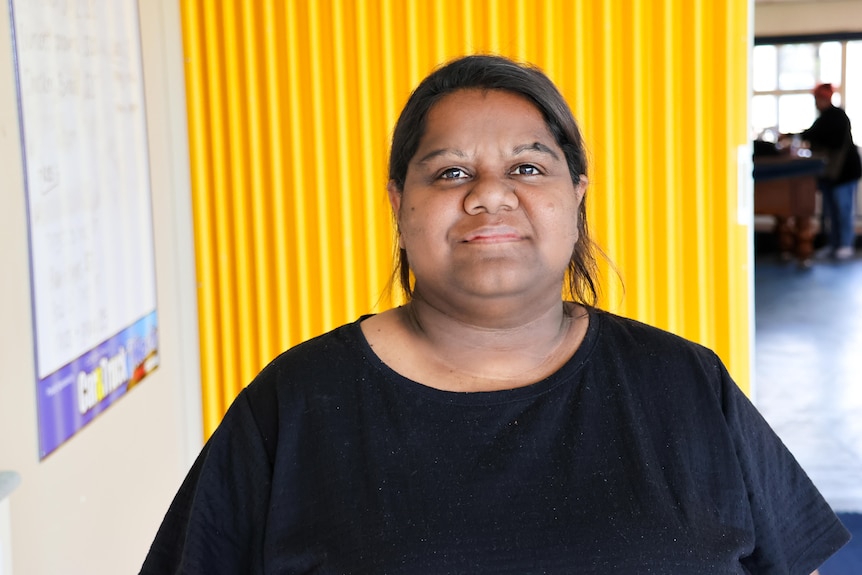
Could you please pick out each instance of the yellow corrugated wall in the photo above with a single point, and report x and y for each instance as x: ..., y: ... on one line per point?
x: 291, y: 104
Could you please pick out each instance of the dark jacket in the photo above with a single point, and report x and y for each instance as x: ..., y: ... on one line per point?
x: 828, y: 134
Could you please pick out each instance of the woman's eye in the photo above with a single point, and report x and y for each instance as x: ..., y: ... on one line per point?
x: 526, y: 170
x: 452, y: 174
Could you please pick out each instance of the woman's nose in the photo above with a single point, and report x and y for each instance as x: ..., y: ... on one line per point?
x: 491, y: 194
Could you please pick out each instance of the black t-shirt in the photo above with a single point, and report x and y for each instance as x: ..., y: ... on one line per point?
x: 639, y: 456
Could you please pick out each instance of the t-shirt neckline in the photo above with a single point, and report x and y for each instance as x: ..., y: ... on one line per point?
x: 563, y: 375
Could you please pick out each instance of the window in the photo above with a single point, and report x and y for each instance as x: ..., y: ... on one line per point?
x: 784, y: 75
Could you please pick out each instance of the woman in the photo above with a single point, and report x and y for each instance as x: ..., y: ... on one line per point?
x: 489, y: 425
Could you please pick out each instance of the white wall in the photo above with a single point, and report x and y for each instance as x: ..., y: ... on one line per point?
x: 93, y: 506
x: 780, y: 18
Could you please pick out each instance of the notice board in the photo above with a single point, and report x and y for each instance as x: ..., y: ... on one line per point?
x: 80, y: 83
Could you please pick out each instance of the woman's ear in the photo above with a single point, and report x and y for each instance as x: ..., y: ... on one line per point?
x: 581, y: 188
x: 394, y: 196
x: 395, y: 203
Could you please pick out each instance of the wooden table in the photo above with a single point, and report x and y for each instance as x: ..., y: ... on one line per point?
x: 786, y: 188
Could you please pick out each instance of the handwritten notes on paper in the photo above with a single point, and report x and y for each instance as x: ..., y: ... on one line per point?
x: 81, y: 96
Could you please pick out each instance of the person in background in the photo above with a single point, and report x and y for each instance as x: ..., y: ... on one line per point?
x: 490, y: 425
x: 830, y: 135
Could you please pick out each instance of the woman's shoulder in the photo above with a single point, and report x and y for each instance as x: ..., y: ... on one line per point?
x: 635, y: 334
x: 329, y: 351
x: 314, y: 364
x: 639, y: 348
x: 311, y: 373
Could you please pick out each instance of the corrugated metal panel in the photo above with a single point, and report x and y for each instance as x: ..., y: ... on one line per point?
x: 291, y: 104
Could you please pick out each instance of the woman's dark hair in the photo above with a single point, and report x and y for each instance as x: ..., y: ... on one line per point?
x: 485, y: 72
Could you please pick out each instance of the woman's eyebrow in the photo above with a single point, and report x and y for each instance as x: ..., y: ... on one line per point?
x: 535, y: 147
x: 441, y: 152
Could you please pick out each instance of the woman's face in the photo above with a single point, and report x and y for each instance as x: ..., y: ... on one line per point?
x: 488, y: 207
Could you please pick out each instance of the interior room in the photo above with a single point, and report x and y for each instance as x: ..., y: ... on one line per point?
x: 807, y: 308
x: 250, y: 142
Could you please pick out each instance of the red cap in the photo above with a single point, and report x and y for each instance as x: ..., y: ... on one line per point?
x: 824, y: 91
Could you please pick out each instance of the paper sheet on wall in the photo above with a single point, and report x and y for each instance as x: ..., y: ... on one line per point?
x: 83, y: 129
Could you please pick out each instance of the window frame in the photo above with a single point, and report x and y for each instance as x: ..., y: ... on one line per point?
x: 852, y: 109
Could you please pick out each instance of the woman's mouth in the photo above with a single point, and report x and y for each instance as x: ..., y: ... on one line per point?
x: 493, y: 235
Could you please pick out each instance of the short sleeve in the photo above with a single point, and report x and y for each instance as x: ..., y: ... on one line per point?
x: 216, y: 522
x: 795, y: 528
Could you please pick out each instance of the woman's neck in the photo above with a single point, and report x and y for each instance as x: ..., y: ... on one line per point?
x: 492, y: 326
x: 483, y: 353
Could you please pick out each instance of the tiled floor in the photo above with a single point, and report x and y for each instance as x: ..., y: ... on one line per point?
x: 808, y: 378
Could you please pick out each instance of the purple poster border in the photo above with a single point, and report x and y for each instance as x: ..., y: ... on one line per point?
x: 72, y: 396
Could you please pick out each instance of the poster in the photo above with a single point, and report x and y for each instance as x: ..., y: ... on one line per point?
x: 83, y: 129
